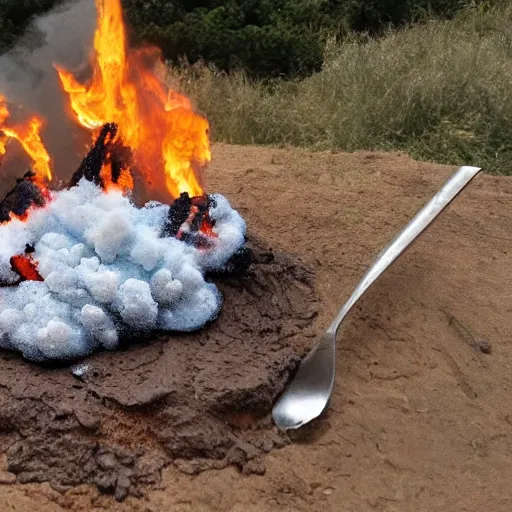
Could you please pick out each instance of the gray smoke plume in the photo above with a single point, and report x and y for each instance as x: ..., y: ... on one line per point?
x: 31, y: 85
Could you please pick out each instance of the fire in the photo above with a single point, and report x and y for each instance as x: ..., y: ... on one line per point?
x: 26, y: 268
x: 28, y: 135
x: 170, y: 141
x: 123, y: 183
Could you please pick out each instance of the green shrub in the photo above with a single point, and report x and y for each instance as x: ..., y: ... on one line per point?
x: 267, y: 37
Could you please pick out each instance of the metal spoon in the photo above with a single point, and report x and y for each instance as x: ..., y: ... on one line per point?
x: 308, y: 393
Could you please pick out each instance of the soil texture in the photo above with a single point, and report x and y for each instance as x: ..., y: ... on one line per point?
x: 420, y: 418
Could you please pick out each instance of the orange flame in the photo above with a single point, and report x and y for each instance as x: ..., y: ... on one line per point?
x: 26, y: 268
x: 28, y: 135
x: 158, y: 124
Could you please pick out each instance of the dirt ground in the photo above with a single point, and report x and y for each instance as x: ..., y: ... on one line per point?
x: 421, y: 417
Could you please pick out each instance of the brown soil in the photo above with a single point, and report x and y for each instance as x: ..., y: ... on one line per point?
x: 420, y: 417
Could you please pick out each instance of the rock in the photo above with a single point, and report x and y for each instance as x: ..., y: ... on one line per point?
x: 106, y: 482
x: 123, y: 485
x: 267, y: 445
x: 87, y: 420
x: 254, y: 467
x: 484, y: 346
x: 125, y: 457
x: 107, y: 461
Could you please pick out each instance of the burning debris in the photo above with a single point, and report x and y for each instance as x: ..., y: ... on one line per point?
x: 83, y: 266
x: 90, y: 267
x: 25, y: 266
x: 24, y: 195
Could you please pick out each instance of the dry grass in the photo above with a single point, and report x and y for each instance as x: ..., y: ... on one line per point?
x: 441, y: 91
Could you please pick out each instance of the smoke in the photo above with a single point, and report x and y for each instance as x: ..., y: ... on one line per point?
x: 31, y: 85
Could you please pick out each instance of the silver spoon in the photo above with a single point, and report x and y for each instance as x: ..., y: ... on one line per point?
x: 308, y: 393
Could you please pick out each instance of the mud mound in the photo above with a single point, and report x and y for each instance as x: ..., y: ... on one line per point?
x: 121, y: 416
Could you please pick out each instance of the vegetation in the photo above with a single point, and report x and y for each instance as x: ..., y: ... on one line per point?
x: 268, y: 37
x: 265, y: 38
x: 441, y: 91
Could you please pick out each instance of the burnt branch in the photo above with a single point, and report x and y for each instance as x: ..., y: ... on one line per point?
x: 25, y: 194
x: 178, y: 213
x: 107, y: 149
x: 120, y: 158
x: 91, y: 165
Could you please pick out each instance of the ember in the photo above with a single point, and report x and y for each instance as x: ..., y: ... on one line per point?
x: 26, y: 267
x: 82, y: 266
x: 189, y: 220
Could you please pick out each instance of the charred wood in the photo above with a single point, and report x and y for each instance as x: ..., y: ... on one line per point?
x: 91, y: 165
x: 178, y: 213
x: 188, y: 216
x: 104, y: 148
x: 121, y: 158
x: 25, y: 194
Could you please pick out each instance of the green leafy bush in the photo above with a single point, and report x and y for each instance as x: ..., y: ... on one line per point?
x: 267, y: 37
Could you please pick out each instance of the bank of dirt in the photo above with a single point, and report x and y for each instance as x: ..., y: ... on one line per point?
x: 420, y: 417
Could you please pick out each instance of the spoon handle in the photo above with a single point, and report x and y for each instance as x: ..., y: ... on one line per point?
x: 404, y: 239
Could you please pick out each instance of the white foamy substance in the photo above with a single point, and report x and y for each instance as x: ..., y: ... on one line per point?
x: 106, y: 272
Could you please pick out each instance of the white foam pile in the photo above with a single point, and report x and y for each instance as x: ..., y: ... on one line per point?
x: 106, y: 271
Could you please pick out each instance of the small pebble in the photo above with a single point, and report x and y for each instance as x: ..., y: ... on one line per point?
x: 484, y: 346
x: 107, y: 461
x: 79, y: 370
